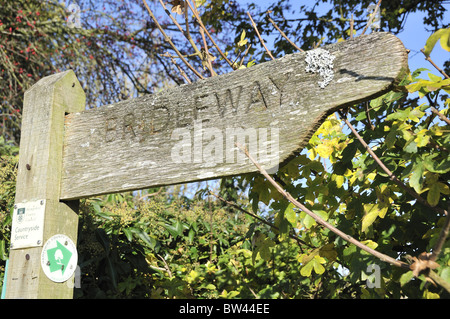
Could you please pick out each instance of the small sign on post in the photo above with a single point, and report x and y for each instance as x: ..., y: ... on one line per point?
x: 59, y: 258
x: 28, y: 224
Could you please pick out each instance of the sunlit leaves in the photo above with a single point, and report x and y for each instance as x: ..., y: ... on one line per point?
x: 328, y: 140
x: 314, y: 264
x: 443, y: 35
x: 243, y: 41
x: 371, y: 213
x: 291, y: 215
x: 425, y: 86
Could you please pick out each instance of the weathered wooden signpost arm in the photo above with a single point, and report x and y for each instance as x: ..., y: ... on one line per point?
x: 186, y: 133
x: 38, y: 181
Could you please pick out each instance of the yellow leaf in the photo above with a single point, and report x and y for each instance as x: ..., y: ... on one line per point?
x: 339, y: 180
x: 430, y: 295
x: 422, y: 138
x: 443, y: 36
x: 372, y: 211
x: 370, y: 243
x: 434, y: 78
x: 243, y: 41
x: 445, y: 40
x: 443, y: 188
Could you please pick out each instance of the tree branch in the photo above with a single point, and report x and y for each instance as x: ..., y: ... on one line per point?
x: 371, y: 17
x: 321, y: 221
x: 391, y: 175
x: 434, y: 64
x: 262, y: 220
x: 283, y: 34
x: 199, y: 20
x: 259, y: 36
x: 167, y: 39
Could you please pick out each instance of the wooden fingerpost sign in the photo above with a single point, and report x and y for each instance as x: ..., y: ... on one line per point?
x: 183, y: 134
x: 39, y: 214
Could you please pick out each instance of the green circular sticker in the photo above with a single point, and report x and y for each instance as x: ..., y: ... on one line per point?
x: 59, y: 258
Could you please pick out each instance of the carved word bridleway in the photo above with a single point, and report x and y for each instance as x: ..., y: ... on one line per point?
x: 188, y: 133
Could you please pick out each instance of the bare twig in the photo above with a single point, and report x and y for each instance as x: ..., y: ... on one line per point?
x: 391, y: 175
x: 168, y: 40
x: 200, y: 22
x: 321, y: 221
x: 186, y: 33
x: 316, y: 45
x: 166, y: 266
x: 207, y: 56
x: 434, y: 64
x: 262, y: 220
x: 435, y: 111
x: 441, y: 240
x: 442, y: 282
x: 259, y: 36
x: 440, y: 115
x: 372, y: 127
x: 245, y: 54
x: 283, y: 34
x: 352, y: 22
x: 372, y: 16
x: 152, y: 194
x: 183, y: 74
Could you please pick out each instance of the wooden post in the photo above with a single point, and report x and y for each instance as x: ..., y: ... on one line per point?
x: 39, y: 178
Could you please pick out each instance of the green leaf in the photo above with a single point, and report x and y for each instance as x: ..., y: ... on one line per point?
x: 314, y: 263
x: 290, y: 215
x: 103, y: 239
x: 433, y: 195
x: 176, y: 229
x: 339, y: 180
x: 417, y: 72
x: 307, y: 269
x: 443, y: 36
x: 308, y: 221
x: 128, y: 234
x: 112, y: 271
x: 410, y: 146
x: 422, y: 138
x: 434, y: 78
x: 406, y: 277
x: 263, y: 244
x: 416, y: 179
x: 3, y: 255
x: 149, y: 241
x: 328, y: 251
x: 443, y: 188
x: 435, y: 165
x: 372, y: 211
x: 321, y: 213
x: 445, y: 40
x: 445, y: 274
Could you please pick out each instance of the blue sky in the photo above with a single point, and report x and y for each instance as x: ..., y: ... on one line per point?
x: 413, y: 37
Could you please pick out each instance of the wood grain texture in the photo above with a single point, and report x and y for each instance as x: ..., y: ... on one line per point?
x: 174, y: 136
x: 39, y: 178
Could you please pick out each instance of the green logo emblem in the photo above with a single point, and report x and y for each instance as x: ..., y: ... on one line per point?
x: 58, y: 257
